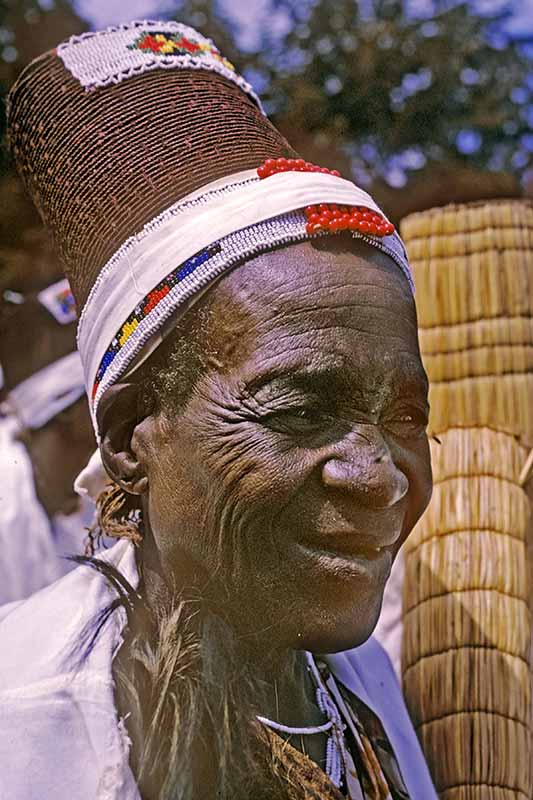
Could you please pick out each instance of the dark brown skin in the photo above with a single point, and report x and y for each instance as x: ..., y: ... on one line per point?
x: 302, y: 448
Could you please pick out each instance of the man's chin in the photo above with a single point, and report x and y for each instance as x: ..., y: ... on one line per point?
x: 334, y: 643
x: 339, y: 637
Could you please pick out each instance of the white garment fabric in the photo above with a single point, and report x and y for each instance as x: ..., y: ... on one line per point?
x: 93, y: 478
x: 70, y: 531
x: 28, y: 558
x: 389, y: 630
x: 59, y: 733
x: 60, y: 736
x: 46, y: 393
x: 33, y: 548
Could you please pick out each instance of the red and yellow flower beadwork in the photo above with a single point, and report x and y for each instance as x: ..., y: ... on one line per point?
x: 175, y: 44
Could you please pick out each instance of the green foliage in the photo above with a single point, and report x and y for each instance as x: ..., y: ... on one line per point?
x: 394, y: 92
x: 401, y: 91
x: 27, y: 29
x: 209, y: 17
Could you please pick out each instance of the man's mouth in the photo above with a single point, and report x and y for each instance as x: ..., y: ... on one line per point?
x: 370, y: 553
x: 356, y: 563
x: 352, y: 545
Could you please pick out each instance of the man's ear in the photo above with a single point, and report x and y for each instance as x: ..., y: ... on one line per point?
x: 119, y: 413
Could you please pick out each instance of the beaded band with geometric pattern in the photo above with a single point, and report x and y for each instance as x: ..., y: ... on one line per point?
x: 204, y: 235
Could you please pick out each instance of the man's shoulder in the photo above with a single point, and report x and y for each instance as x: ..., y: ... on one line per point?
x: 368, y: 665
x: 368, y: 673
x: 39, y: 636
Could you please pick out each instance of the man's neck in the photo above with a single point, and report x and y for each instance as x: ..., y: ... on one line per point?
x: 286, y: 691
x: 289, y: 689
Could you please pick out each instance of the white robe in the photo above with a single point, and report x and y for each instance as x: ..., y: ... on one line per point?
x: 32, y: 547
x: 60, y: 736
x: 389, y: 630
x: 28, y: 559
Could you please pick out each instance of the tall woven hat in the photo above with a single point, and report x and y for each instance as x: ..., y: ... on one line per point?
x: 153, y: 164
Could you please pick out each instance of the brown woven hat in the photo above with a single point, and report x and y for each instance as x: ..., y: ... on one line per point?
x: 145, y: 153
x: 104, y: 152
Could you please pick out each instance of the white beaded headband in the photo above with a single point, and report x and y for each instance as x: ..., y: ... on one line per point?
x: 159, y: 272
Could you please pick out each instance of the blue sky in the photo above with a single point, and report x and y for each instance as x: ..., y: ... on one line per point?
x: 110, y: 12
x: 523, y: 18
x: 246, y: 12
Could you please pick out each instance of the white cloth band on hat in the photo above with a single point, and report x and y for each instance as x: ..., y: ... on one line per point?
x: 41, y: 397
x: 240, y: 215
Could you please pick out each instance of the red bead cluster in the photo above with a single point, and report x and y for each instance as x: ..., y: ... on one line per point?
x: 274, y: 165
x: 333, y: 218
x: 329, y: 217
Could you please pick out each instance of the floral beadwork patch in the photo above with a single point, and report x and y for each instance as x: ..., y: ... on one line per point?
x: 175, y: 44
x: 105, y: 58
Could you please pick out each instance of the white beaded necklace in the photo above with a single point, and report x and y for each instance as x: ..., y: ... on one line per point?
x: 336, y: 753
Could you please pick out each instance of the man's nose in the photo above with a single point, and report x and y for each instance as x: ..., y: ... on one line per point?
x: 361, y: 465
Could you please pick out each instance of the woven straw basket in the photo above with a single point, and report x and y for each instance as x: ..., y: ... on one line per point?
x: 466, y: 647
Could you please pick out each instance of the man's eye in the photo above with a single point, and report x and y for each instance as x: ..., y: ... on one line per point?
x: 408, y: 423
x: 296, y: 420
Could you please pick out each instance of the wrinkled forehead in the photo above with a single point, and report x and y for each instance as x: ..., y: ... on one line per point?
x: 305, y: 305
x: 305, y: 280
x: 282, y: 273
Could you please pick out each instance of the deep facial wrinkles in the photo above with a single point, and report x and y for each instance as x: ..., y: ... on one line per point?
x: 239, y: 477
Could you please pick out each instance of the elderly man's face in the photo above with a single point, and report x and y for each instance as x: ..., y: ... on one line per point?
x: 300, y: 463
